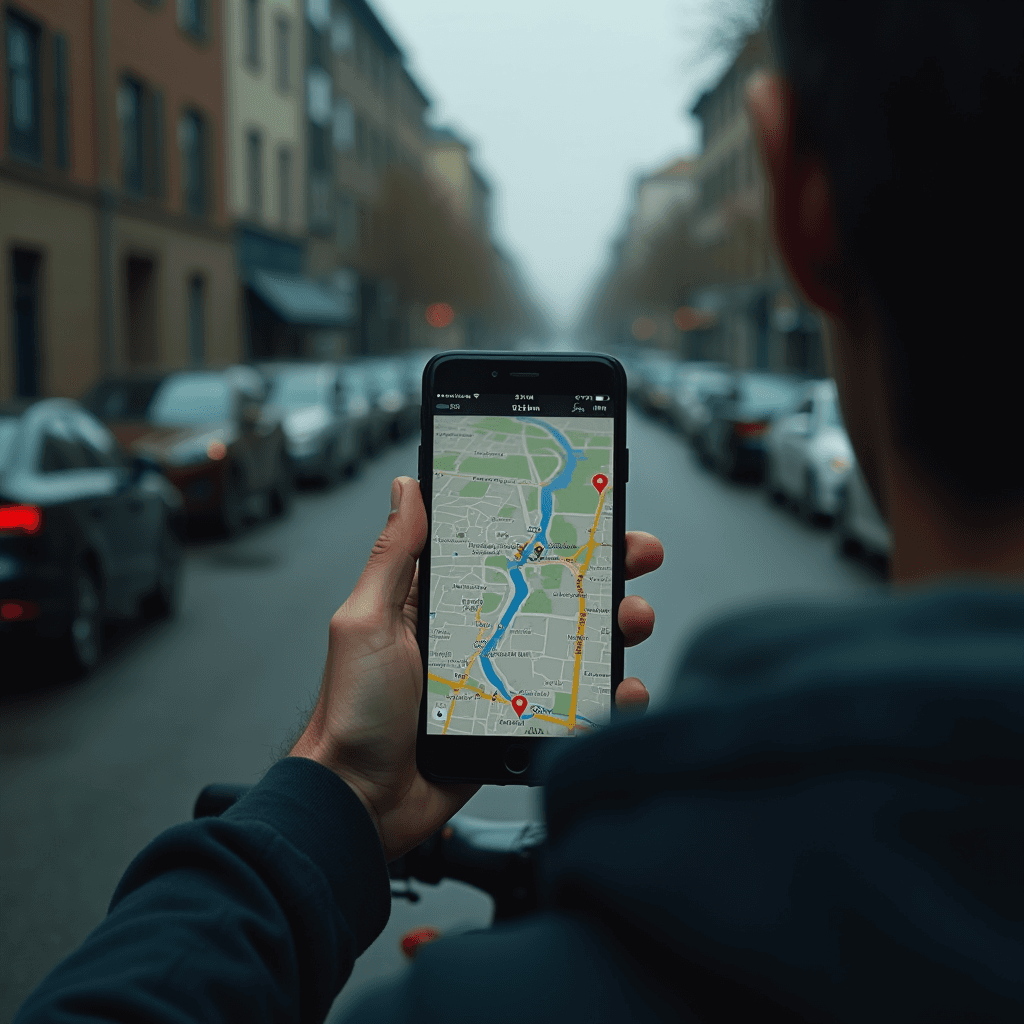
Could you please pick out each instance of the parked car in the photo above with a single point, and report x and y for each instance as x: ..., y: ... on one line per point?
x: 361, y: 404
x: 808, y: 455
x: 655, y: 383
x: 390, y: 396
x: 213, y: 435
x: 731, y: 439
x: 323, y: 442
x: 86, y: 534
x: 859, y: 526
x: 696, y: 382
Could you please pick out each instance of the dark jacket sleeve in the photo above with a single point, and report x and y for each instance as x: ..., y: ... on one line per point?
x: 255, y: 916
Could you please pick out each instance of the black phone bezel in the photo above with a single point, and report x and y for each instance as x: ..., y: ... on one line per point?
x: 445, y: 758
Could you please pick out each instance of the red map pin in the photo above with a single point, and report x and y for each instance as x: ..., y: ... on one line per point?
x: 519, y: 703
x: 600, y: 482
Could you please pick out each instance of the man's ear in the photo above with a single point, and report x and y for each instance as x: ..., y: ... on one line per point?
x: 799, y: 195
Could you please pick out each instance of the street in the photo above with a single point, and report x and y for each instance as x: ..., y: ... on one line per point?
x: 91, y: 772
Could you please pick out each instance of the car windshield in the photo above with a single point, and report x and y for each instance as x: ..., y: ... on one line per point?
x: 764, y: 393
x: 8, y: 434
x: 191, y: 398
x: 121, y: 399
x: 294, y: 390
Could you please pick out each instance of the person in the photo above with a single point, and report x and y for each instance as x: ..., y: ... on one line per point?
x: 825, y: 823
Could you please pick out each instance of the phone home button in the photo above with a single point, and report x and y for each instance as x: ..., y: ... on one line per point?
x: 517, y: 759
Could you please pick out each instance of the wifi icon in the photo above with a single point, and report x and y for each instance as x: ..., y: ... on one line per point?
x: 477, y: 395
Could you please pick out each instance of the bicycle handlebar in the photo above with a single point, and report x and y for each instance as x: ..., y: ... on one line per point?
x: 497, y: 857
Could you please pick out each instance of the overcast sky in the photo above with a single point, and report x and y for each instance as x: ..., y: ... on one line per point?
x: 564, y: 102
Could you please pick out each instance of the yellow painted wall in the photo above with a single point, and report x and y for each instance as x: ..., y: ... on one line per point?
x: 64, y: 231
x: 254, y: 101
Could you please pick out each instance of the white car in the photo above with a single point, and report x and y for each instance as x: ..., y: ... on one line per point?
x: 859, y: 525
x: 808, y: 456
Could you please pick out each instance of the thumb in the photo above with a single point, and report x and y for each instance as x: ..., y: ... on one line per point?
x: 384, y: 585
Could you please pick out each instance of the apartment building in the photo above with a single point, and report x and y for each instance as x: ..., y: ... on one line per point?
x: 450, y: 166
x: 49, y: 288
x: 114, y: 223
x: 285, y: 313
x: 760, y: 320
x: 364, y: 114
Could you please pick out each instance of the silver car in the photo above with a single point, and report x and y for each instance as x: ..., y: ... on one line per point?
x: 808, y: 456
x: 695, y: 382
x: 322, y: 439
x: 860, y: 527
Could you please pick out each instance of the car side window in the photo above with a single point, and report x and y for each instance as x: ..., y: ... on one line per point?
x: 807, y: 406
x: 98, y: 443
x: 61, y: 450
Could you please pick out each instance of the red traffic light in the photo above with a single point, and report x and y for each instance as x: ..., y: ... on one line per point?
x: 440, y: 314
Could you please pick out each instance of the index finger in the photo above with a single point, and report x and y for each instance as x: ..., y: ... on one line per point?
x: 644, y: 553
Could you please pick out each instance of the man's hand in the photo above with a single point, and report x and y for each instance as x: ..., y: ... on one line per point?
x: 364, y: 724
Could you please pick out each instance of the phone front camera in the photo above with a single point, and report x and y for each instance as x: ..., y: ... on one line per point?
x: 494, y: 373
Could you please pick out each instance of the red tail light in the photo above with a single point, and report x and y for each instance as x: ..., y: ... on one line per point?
x: 749, y: 429
x: 18, y: 611
x: 20, y: 519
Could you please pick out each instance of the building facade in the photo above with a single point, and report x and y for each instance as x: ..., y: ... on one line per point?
x: 284, y: 312
x: 759, y: 320
x: 364, y: 114
x: 115, y: 232
x: 50, y: 286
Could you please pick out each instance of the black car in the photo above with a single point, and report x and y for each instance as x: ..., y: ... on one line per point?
x: 86, y: 534
x: 731, y: 437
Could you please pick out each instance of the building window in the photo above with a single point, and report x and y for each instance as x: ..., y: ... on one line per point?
x: 284, y: 185
x: 140, y: 311
x: 61, y: 153
x: 342, y: 36
x: 254, y: 172
x: 251, y: 33
x: 192, y: 143
x: 129, y: 113
x: 344, y: 125
x: 24, y: 135
x: 197, y: 320
x: 25, y: 267
x: 360, y: 139
x: 192, y: 18
x: 346, y: 228
x: 284, y: 53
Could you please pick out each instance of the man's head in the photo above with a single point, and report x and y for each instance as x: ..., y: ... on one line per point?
x: 888, y: 138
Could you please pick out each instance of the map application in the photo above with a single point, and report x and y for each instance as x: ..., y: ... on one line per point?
x: 520, y: 576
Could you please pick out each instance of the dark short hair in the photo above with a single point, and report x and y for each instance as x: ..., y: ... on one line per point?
x: 915, y: 109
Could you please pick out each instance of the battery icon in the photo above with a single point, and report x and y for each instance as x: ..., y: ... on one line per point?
x: 601, y: 398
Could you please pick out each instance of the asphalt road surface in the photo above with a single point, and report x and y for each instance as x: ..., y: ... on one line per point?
x: 91, y: 772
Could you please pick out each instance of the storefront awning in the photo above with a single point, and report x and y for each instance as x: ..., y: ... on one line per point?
x: 301, y: 301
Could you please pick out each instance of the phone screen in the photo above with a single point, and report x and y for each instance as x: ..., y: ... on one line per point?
x: 520, y: 589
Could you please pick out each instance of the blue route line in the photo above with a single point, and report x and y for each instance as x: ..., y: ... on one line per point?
x: 573, y: 457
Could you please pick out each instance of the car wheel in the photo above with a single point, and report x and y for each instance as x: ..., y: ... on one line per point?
x: 331, y: 471
x: 846, y: 543
x: 729, y: 463
x: 82, y: 645
x: 281, y: 492
x: 162, y: 601
x: 775, y: 495
x: 809, y: 507
x: 232, y: 507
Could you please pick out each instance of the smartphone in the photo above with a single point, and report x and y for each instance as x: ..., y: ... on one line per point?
x: 523, y: 468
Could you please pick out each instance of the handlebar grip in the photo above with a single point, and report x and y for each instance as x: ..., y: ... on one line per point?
x: 216, y: 799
